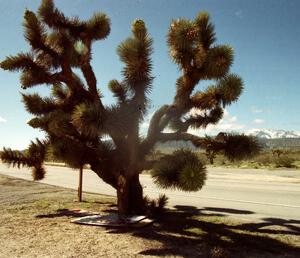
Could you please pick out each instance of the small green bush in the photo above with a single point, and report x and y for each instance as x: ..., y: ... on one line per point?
x: 264, y: 159
x: 284, y: 161
x: 156, y: 208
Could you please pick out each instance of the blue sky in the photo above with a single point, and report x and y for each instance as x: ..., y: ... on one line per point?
x: 265, y: 35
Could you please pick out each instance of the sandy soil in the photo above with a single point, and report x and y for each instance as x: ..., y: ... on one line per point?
x: 25, y: 235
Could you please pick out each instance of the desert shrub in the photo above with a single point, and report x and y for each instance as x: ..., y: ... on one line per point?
x: 202, y: 157
x: 156, y: 208
x: 264, y: 159
x: 221, y: 160
x: 284, y: 161
x: 295, y: 155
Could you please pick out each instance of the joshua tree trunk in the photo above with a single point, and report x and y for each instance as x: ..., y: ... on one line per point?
x: 130, y: 195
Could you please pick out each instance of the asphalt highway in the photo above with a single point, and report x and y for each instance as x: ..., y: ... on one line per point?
x: 250, y: 194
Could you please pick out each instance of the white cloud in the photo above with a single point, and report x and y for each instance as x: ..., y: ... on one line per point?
x: 232, y: 119
x: 2, y: 120
x: 227, y: 123
x: 239, y: 14
x: 168, y: 130
x: 255, y: 110
x: 258, y: 121
x: 195, y: 112
x: 146, y: 121
x: 145, y: 124
x: 224, y: 126
x: 229, y: 117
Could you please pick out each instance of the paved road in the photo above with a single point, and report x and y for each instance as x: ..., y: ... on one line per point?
x: 245, y: 193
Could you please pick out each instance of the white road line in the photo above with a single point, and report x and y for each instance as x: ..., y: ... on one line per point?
x: 232, y: 200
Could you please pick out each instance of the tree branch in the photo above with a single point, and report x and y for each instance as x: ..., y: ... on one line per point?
x: 155, y: 123
x: 194, y: 139
x: 158, y: 122
x: 90, y: 78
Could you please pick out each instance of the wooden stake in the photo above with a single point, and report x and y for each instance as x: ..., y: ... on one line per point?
x: 80, y: 185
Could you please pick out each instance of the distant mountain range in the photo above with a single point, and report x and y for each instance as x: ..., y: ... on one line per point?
x: 273, y: 134
x: 277, y: 138
x: 269, y: 138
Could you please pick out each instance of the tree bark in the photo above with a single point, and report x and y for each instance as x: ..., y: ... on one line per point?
x: 130, y: 195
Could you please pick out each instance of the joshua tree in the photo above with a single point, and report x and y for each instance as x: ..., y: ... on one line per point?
x: 77, y: 123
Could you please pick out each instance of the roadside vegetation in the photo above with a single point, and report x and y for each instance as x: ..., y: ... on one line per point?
x: 37, y: 224
x: 268, y: 159
x: 265, y: 159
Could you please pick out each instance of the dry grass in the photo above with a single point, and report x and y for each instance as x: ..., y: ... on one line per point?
x: 33, y: 225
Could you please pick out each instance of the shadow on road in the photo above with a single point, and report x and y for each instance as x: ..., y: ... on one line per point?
x: 226, y: 210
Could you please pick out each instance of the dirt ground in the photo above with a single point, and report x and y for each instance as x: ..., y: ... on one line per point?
x: 34, y: 224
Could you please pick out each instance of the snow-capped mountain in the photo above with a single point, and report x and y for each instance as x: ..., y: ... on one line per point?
x: 273, y: 134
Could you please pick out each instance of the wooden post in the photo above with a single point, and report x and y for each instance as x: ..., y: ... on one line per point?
x: 80, y: 185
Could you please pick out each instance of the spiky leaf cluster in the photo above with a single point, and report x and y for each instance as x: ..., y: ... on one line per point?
x: 89, y: 119
x: 135, y: 52
x: 237, y: 147
x: 37, y: 105
x: 58, y: 44
x: 33, y: 157
x: 234, y: 146
x: 96, y: 28
x: 206, y: 29
x: 119, y: 90
x: 182, y: 170
x: 74, y: 153
x: 192, y: 45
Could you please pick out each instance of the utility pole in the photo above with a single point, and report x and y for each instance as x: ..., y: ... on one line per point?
x: 80, y: 184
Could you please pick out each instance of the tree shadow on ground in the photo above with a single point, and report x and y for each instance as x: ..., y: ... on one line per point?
x: 292, y: 227
x: 80, y: 211
x: 188, y: 232
x: 66, y: 213
x: 227, y: 210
